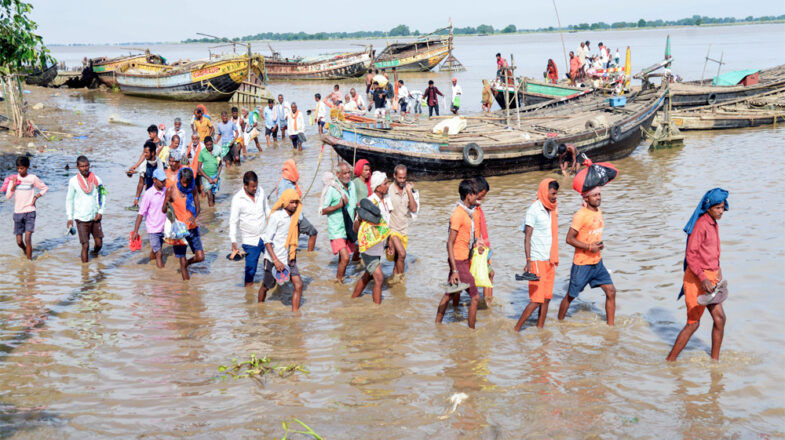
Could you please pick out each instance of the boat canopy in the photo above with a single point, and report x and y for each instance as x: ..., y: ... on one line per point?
x: 732, y: 78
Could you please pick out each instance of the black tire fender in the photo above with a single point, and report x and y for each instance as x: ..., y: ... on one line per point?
x: 711, y: 99
x: 615, y: 133
x: 550, y: 148
x: 473, y: 154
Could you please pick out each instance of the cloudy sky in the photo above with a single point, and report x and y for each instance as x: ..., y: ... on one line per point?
x: 102, y: 21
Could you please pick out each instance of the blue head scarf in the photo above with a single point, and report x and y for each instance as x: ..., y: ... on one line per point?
x: 188, y: 192
x: 712, y: 197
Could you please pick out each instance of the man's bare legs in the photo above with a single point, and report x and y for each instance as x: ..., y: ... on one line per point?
x: 343, y: 261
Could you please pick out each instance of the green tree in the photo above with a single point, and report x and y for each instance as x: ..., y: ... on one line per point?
x: 510, y: 29
x: 400, y: 31
x: 641, y: 23
x: 485, y: 29
x: 698, y: 21
x: 20, y: 47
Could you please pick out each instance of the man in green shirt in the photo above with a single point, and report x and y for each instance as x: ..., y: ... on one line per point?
x: 337, y: 199
x: 209, y: 171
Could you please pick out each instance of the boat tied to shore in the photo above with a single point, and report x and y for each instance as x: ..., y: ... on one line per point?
x: 754, y: 111
x: 420, y: 55
x: 489, y: 146
x: 211, y: 80
x: 696, y: 93
x: 106, y: 68
x: 328, y: 67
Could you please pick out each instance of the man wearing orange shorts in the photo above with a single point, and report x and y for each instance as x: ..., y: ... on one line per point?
x: 541, y: 245
x: 702, y: 270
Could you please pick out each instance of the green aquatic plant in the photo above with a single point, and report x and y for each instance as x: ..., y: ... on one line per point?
x: 288, y: 430
x: 257, y: 368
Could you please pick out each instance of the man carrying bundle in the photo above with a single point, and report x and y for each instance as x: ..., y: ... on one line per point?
x: 372, y: 235
x: 280, y: 241
x: 703, y: 285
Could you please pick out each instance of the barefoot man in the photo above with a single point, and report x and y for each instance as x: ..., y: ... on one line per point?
x: 337, y: 204
x: 280, y: 240
x: 702, y: 271
x: 585, y: 235
x: 405, y: 202
x: 541, y: 245
x: 372, y: 235
x: 85, y: 203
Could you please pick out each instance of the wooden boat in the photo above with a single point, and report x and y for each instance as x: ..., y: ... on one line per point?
x: 332, y: 66
x: 420, y: 55
x: 486, y: 147
x: 693, y: 93
x: 193, y: 81
x: 534, y: 92
x: 42, y: 77
x: 764, y: 109
x: 105, y: 68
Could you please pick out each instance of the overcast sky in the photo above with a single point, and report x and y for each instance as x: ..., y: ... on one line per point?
x: 102, y: 21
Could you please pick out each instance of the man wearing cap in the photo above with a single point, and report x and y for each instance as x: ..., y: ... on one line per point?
x: 145, y: 170
x: 336, y: 201
x: 280, y: 241
x: 585, y: 235
x: 702, y: 272
x: 372, y: 235
x: 154, y: 219
x: 456, y: 96
x: 541, y: 246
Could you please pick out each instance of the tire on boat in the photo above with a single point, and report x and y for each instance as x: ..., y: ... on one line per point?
x: 336, y: 131
x: 711, y: 99
x: 615, y: 133
x: 597, y: 122
x: 473, y: 154
x: 550, y: 149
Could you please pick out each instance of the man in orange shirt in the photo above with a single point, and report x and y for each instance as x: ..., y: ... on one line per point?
x: 585, y: 235
x: 464, y: 234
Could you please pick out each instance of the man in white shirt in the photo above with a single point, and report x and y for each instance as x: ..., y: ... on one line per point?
x: 403, y: 97
x: 357, y: 99
x: 456, y: 96
x: 176, y: 130
x: 322, y: 112
x: 541, y: 246
x: 296, y: 123
x: 280, y: 237
x: 372, y: 256
x: 248, y: 216
x: 282, y: 110
x: 85, y: 203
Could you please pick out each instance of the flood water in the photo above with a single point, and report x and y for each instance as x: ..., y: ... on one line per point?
x: 117, y: 348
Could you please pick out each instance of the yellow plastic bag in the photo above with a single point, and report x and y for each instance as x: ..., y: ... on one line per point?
x: 479, y: 269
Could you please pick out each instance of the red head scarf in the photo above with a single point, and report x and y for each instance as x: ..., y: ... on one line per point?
x: 358, y: 171
x: 290, y: 173
x: 542, y: 196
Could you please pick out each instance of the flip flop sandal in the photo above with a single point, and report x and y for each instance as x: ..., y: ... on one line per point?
x: 719, y: 295
x: 527, y: 276
x: 454, y: 288
x: 235, y: 256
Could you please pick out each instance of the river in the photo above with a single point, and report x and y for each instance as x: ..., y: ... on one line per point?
x: 117, y: 348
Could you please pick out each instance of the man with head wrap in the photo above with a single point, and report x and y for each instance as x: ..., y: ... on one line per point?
x: 288, y: 180
x: 280, y: 241
x: 362, y: 179
x: 339, y: 205
x: 372, y: 237
x: 585, y: 235
x: 702, y: 271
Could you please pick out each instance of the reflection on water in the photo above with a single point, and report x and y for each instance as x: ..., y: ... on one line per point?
x: 117, y: 347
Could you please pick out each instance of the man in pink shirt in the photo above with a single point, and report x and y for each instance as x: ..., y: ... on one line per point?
x: 151, y: 209
x: 23, y: 186
x: 702, y: 273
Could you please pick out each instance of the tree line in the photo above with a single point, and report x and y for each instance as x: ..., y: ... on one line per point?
x: 403, y: 30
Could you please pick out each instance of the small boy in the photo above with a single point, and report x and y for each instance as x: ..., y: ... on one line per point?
x: 151, y: 210
x: 280, y: 240
x: 24, y: 203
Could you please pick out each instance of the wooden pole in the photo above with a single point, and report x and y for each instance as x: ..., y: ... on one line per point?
x: 719, y: 65
x: 705, y: 62
x: 515, y: 96
x: 507, y: 94
x: 561, y: 33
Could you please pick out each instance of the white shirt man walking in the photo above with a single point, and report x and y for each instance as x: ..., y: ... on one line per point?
x: 249, y: 214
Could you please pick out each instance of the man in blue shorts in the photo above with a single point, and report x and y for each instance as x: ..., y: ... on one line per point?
x: 585, y: 235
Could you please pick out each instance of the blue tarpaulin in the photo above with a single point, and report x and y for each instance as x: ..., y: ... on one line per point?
x: 732, y: 78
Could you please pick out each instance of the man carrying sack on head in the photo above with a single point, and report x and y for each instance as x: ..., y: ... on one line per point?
x: 280, y: 240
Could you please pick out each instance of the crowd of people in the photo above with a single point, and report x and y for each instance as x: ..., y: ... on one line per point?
x: 582, y: 60
x: 368, y: 216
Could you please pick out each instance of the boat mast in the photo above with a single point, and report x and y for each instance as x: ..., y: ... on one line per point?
x: 561, y: 33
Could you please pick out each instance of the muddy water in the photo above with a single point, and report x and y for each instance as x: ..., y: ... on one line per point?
x: 118, y: 348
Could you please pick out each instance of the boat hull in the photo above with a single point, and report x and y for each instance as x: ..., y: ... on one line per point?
x: 42, y: 77
x: 209, y: 82
x: 726, y: 121
x: 353, y: 66
x: 698, y: 96
x: 414, y: 63
x: 430, y: 161
x: 105, y: 70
